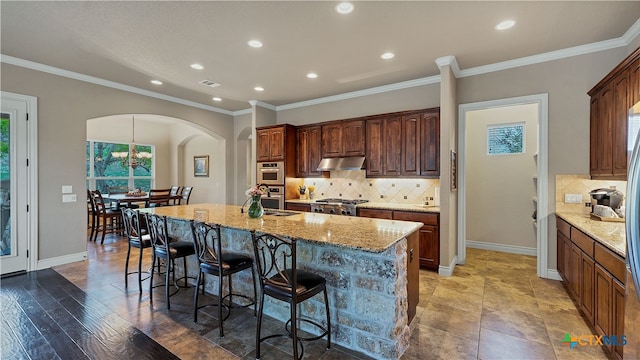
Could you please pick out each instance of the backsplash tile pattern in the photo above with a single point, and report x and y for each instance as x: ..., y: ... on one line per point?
x: 353, y: 184
x: 581, y: 184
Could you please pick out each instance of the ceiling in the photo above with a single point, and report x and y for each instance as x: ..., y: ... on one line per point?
x: 131, y: 43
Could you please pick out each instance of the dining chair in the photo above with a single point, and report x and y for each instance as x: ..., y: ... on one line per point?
x: 186, y: 194
x: 212, y: 260
x: 158, y: 197
x: 280, y: 279
x: 91, y: 215
x: 166, y: 249
x: 107, y: 220
x: 174, y: 195
x: 139, y: 238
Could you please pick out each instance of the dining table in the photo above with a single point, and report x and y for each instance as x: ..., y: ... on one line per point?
x: 128, y: 199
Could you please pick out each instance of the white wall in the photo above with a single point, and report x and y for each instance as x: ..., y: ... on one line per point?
x: 209, y: 189
x: 500, y: 188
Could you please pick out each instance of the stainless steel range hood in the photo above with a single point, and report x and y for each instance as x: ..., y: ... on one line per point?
x: 342, y: 163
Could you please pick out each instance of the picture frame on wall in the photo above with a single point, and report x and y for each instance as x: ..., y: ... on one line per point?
x: 201, y: 165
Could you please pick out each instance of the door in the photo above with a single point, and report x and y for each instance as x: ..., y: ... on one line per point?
x: 15, y: 185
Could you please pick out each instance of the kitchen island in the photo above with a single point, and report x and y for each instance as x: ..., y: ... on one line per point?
x: 372, y: 276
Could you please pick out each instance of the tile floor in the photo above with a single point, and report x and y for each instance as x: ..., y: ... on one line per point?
x: 494, y: 307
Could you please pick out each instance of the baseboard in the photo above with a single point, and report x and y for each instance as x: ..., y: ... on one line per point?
x: 448, y: 270
x: 502, y: 248
x: 61, y: 260
x: 553, y: 274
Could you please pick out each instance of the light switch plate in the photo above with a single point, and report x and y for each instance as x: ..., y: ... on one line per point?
x: 573, y: 198
x: 67, y: 189
x: 69, y: 198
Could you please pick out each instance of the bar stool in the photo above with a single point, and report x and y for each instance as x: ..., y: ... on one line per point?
x: 164, y: 248
x: 138, y: 238
x: 275, y: 258
x: 212, y: 260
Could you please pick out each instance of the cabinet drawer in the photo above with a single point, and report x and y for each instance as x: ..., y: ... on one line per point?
x: 563, y: 227
x: 611, y: 262
x: 425, y: 218
x: 376, y: 213
x: 584, y: 242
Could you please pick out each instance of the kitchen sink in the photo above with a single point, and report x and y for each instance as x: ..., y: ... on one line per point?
x: 279, y: 213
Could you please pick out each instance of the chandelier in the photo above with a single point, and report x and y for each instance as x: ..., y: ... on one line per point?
x: 135, y: 155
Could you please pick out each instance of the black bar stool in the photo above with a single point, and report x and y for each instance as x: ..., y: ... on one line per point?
x: 212, y: 260
x: 139, y: 238
x: 279, y: 278
x: 165, y: 248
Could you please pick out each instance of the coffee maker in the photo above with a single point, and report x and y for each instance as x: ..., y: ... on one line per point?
x: 606, y: 198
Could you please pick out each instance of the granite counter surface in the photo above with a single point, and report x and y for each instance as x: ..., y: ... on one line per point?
x: 372, y: 235
x: 610, y: 234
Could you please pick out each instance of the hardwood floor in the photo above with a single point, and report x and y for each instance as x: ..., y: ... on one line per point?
x: 494, y: 307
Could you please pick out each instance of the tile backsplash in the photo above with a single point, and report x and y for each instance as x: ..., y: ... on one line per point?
x: 353, y: 184
x: 581, y: 184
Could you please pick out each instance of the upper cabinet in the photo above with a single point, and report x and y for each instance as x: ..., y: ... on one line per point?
x: 309, y: 142
x: 343, y: 138
x: 611, y: 99
x: 275, y: 143
x: 403, y: 144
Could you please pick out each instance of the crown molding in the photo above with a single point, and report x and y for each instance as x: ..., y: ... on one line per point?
x: 102, y: 82
x: 364, y: 92
x: 632, y: 33
x: 451, y: 61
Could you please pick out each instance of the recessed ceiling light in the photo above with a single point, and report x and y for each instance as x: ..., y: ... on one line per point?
x: 312, y: 75
x: 255, y: 43
x: 504, y: 25
x: 156, y: 82
x: 217, y: 99
x: 344, y: 8
x: 258, y: 88
x: 387, y: 55
x: 197, y: 66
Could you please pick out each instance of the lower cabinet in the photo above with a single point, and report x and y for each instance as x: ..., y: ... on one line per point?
x: 593, y: 278
x: 429, y: 233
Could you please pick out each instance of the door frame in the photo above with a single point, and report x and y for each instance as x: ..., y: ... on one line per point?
x: 31, y: 200
x: 542, y: 236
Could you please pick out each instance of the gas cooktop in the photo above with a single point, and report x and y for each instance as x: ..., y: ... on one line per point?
x: 341, y: 201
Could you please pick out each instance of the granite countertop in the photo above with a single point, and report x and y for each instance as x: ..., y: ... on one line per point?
x: 372, y: 235
x: 610, y: 234
x: 383, y: 206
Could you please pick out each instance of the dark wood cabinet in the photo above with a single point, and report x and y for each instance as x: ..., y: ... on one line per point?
x: 343, y: 138
x: 403, y: 144
x: 413, y: 275
x: 593, y: 276
x: 611, y: 99
x: 297, y: 207
x: 430, y: 143
x: 309, y: 141
x: 270, y: 144
x: 429, y: 235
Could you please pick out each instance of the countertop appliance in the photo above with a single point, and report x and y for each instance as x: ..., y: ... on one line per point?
x: 336, y: 206
x: 632, y: 301
x: 607, y: 197
x: 271, y: 173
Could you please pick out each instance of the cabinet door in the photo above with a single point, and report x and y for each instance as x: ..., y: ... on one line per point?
x: 411, y: 145
x: 634, y: 78
x: 392, y: 140
x: 314, y: 150
x: 429, y: 247
x: 604, y: 133
x: 297, y: 207
x: 430, y: 144
x: 587, y: 299
x: 620, y: 113
x: 332, y: 140
x: 603, y: 289
x: 594, y: 129
x: 353, y: 138
x: 376, y: 213
x: 560, y: 255
x: 263, y: 145
x: 575, y: 260
x: 302, y: 155
x: 617, y: 315
x: 374, y: 144
x: 413, y: 275
x: 567, y: 263
x: 276, y: 143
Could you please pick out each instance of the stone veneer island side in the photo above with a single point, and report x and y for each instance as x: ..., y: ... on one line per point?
x: 372, y: 279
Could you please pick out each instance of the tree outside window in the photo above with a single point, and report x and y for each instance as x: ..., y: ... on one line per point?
x: 104, y: 170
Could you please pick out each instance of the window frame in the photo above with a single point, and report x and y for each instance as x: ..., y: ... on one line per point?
x: 131, y: 178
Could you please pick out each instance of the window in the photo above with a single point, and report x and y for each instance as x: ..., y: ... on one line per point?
x: 104, y: 170
x: 505, y: 139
